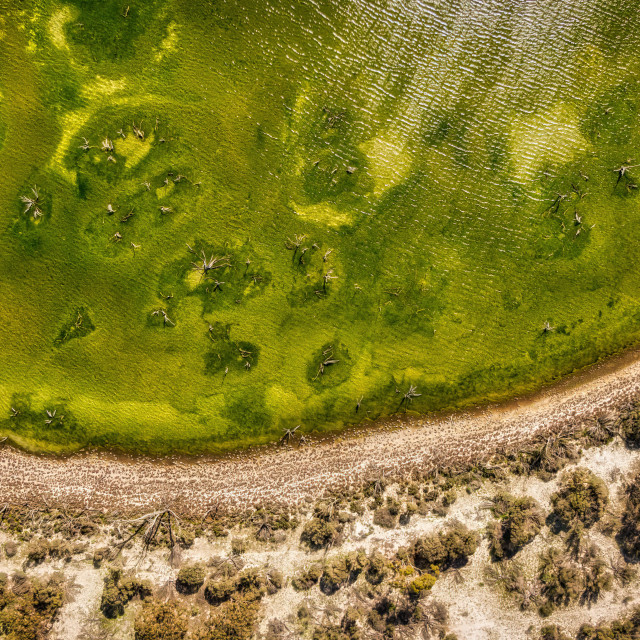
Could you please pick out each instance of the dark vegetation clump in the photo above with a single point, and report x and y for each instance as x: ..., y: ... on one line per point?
x: 377, y: 569
x: 236, y: 605
x: 625, y: 629
x: 233, y: 620
x: 629, y: 535
x: 564, y: 580
x: 324, y: 529
x: 550, y: 455
x: 519, y: 522
x: 78, y: 326
x: 160, y: 621
x: 29, y: 608
x: 384, y: 518
x: 39, y: 549
x: 348, y: 629
x: 629, y: 425
x: 561, y: 580
x: 118, y: 590
x: 582, y: 498
x: 445, y: 549
x: 553, y: 632
x: 270, y: 524
x: 342, y: 570
x: 511, y: 577
x: 190, y: 579
x: 307, y: 578
x: 249, y: 583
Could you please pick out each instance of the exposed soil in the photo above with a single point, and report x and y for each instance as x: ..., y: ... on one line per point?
x: 291, y: 474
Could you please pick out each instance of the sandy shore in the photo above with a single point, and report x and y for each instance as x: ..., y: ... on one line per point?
x: 291, y: 474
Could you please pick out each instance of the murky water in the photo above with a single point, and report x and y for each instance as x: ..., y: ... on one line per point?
x: 411, y: 206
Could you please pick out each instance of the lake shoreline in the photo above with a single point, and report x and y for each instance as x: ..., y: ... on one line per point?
x: 288, y: 475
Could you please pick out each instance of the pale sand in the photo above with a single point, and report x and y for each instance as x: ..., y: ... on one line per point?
x: 292, y: 474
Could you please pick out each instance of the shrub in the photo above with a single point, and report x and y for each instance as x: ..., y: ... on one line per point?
x: 449, y: 497
x: 625, y: 629
x: 552, y: 632
x: 629, y: 536
x: 190, y: 579
x: 275, y: 580
x: 582, y: 497
x: 520, y: 520
x: 217, y: 591
x: 630, y: 425
x: 377, y: 569
x: 238, y: 546
x: 384, y: 518
x: 10, y: 548
x: 100, y: 555
x: 511, y: 577
x: 562, y: 582
x: 341, y: 570
x: 37, y: 551
x: 118, y: 590
x: 445, y: 549
x: 320, y: 532
x: 160, y: 621
x: 186, y: 538
x: 304, y: 580
x: 421, y: 584
x: 596, y: 575
x: 233, y: 620
x: 28, y: 610
x: 249, y: 583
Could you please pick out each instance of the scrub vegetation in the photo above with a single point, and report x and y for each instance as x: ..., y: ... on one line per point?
x: 218, y: 222
x: 470, y: 545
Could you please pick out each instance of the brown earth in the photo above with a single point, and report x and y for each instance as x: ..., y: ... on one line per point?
x: 292, y: 474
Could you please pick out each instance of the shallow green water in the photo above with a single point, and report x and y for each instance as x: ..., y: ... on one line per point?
x: 449, y: 167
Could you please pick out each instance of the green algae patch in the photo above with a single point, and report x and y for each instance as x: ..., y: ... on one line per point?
x: 221, y: 221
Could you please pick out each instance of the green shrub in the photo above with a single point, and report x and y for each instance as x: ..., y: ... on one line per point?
x: 190, y: 579
x: 160, y: 621
x: 562, y: 582
x: 582, y: 497
x: 377, y: 569
x: 118, y: 590
x: 342, y: 569
x: 233, y: 620
x: 421, y: 584
x: 630, y: 425
x: 625, y: 629
x: 445, y: 549
x: 449, y: 497
x: 275, y: 581
x: 629, y: 536
x: 304, y: 580
x: 28, y: 609
x: 100, y: 555
x: 520, y: 521
x: 238, y: 546
x: 596, y: 575
x: 384, y: 518
x: 37, y: 550
x: 552, y: 632
x: 218, y: 591
x: 320, y: 532
x: 249, y: 583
